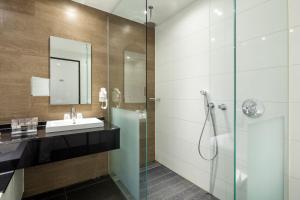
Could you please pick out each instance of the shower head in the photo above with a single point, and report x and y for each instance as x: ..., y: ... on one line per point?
x: 203, y: 92
x: 150, y: 23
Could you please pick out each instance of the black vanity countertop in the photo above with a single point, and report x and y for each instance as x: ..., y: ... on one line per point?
x: 42, y: 148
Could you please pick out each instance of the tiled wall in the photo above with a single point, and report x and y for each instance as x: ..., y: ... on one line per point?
x: 25, y: 30
x: 182, y: 70
x: 194, y: 52
x: 294, y: 22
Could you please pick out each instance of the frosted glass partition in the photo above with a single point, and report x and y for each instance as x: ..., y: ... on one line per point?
x: 125, y: 162
x: 265, y: 157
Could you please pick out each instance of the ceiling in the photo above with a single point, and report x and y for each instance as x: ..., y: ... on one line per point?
x: 135, y: 9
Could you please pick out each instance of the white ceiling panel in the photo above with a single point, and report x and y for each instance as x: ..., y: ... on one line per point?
x: 164, y: 9
x: 104, y: 5
x: 134, y: 9
x: 131, y: 9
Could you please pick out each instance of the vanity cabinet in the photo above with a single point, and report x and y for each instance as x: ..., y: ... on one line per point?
x: 15, y: 188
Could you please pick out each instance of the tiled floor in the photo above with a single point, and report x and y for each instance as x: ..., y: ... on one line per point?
x: 164, y: 184
x: 99, y: 189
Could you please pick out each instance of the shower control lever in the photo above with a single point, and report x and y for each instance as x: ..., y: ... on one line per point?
x: 222, y: 107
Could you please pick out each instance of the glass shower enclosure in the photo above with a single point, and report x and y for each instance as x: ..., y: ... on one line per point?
x: 234, y: 50
x: 261, y: 99
x: 128, y: 92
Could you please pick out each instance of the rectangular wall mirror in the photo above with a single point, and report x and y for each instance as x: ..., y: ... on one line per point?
x: 70, y: 72
x: 134, y: 77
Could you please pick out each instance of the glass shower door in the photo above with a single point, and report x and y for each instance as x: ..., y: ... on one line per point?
x: 128, y: 96
x: 261, y: 87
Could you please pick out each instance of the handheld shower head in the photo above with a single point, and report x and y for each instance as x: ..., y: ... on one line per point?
x: 206, y: 99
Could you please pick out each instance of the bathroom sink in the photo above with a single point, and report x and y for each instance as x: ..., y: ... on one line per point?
x: 68, y: 125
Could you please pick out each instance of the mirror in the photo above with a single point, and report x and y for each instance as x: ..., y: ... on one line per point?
x: 134, y: 77
x: 70, y: 72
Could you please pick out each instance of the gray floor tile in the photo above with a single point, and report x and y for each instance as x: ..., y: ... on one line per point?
x: 164, y: 184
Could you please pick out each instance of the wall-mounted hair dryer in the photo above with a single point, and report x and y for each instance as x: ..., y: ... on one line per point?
x: 103, y: 98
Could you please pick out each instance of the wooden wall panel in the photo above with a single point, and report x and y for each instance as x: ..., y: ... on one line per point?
x: 56, y: 175
x: 124, y: 35
x: 151, y: 93
x: 25, y: 28
x: 127, y: 35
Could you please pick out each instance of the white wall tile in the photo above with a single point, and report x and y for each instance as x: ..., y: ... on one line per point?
x: 221, y: 34
x: 188, y: 110
x: 294, y: 189
x: 269, y: 84
x: 296, y: 119
x: 262, y: 20
x: 269, y: 51
x: 220, y: 189
x: 182, y: 70
x: 221, y: 10
x: 295, y: 160
x: 291, y: 120
x: 188, y: 131
x: 190, y: 20
x: 222, y: 87
x: 243, y: 5
x: 263, y: 74
x: 296, y: 82
x: 294, y: 163
x: 294, y: 6
x: 222, y: 60
x: 295, y: 46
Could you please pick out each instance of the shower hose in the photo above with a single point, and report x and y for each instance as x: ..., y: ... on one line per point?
x: 210, y: 106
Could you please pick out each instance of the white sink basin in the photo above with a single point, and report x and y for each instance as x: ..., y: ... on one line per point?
x: 68, y: 125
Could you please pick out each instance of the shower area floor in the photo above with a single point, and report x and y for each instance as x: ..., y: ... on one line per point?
x: 164, y: 184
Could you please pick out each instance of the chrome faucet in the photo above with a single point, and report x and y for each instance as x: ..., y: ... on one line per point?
x: 73, y: 114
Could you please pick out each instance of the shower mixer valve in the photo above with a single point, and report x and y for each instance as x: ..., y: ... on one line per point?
x: 253, y: 108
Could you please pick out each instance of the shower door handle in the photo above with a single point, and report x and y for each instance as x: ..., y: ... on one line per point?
x: 154, y: 99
